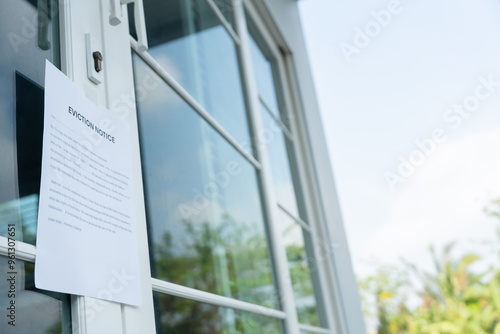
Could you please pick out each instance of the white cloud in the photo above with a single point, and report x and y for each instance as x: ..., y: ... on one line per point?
x: 442, y: 202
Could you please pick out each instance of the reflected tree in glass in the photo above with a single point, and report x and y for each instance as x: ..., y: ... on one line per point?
x: 224, y: 250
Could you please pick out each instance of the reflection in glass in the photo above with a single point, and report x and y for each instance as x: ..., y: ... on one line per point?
x: 280, y: 167
x: 177, y: 315
x: 203, y: 204
x: 300, y: 265
x: 188, y: 41
x: 264, y: 76
x: 29, y: 35
x: 36, y: 311
x: 23, y: 213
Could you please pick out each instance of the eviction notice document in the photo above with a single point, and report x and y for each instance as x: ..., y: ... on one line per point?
x: 86, y: 239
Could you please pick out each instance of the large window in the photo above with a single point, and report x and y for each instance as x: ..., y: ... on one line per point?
x: 210, y: 221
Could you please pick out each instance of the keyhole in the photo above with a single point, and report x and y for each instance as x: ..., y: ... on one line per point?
x: 97, y: 61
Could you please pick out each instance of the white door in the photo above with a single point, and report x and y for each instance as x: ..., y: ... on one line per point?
x: 33, y: 31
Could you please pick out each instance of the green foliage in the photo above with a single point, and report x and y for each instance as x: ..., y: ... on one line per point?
x: 453, y: 298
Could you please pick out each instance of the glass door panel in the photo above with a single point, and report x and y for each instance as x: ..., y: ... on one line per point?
x: 203, y: 205
x: 29, y: 36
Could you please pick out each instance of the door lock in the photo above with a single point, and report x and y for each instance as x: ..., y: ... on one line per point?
x: 94, y: 59
x: 97, y: 61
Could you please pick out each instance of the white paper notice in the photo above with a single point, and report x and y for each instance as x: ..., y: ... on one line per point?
x: 86, y: 242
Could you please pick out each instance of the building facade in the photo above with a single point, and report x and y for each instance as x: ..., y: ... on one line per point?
x: 238, y: 223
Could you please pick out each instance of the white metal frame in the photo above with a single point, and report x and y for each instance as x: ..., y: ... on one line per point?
x: 213, y: 299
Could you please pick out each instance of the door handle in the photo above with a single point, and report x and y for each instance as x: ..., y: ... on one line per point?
x: 140, y: 22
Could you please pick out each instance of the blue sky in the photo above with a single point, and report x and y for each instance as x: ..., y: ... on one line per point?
x: 425, y: 60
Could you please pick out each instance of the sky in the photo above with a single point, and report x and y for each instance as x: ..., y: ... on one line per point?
x: 409, y: 93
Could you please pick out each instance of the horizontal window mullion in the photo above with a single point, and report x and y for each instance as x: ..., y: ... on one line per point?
x: 223, y: 21
x: 313, y: 329
x: 213, y: 299
x: 24, y: 251
x: 299, y: 221
x: 191, y: 101
x: 282, y: 125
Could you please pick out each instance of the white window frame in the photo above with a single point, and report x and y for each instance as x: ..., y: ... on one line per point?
x: 314, y: 161
x: 283, y: 56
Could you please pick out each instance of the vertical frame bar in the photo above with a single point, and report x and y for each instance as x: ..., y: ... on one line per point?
x: 321, y: 246
x: 325, y: 203
x: 120, y: 98
x: 89, y: 314
x: 77, y: 18
x: 270, y: 206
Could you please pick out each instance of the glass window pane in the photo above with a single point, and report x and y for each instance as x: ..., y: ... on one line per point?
x: 264, y: 77
x: 47, y: 312
x: 203, y: 203
x: 25, y: 43
x: 266, y: 72
x: 300, y: 265
x: 178, y: 315
x: 187, y: 39
x: 280, y: 167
